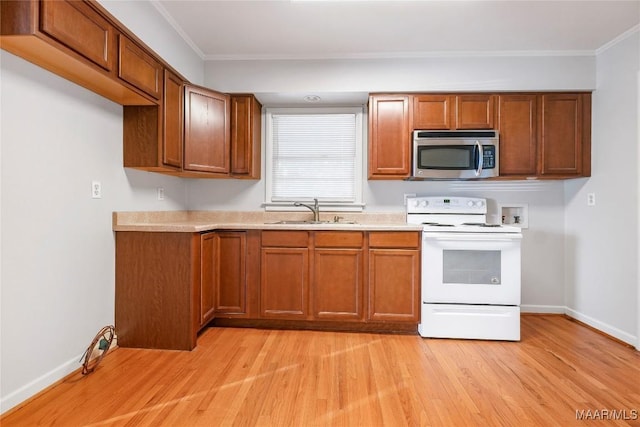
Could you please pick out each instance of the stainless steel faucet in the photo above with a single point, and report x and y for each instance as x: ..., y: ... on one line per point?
x: 315, y: 209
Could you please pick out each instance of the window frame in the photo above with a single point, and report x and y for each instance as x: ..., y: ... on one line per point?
x: 357, y: 205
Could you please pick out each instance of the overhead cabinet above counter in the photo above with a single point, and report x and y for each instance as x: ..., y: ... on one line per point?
x: 542, y: 135
x: 80, y: 42
x: 170, y: 125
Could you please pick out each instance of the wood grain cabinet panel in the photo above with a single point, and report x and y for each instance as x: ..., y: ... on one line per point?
x: 138, y: 68
x: 209, y: 276
x: 153, y: 136
x: 394, y: 277
x: 562, y: 127
x: 231, y: 283
x: 284, y: 275
x: 518, y: 127
x: 432, y: 111
x: 206, y: 139
x: 76, y: 40
x: 79, y: 27
x: 475, y: 111
x: 246, y: 122
x: 338, y: 276
x: 172, y: 120
x: 284, y: 283
x: 157, y: 295
x: 389, y: 137
x: 394, y: 285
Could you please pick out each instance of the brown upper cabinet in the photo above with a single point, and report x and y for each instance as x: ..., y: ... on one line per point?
x: 172, y: 142
x: 542, y: 135
x: 432, y: 111
x: 475, y: 111
x: 139, y: 68
x: 389, y: 136
x: 545, y: 135
x: 76, y: 40
x: 196, y: 132
x: 446, y: 111
x: 246, y: 121
x: 167, y: 129
x: 153, y: 135
x: 565, y: 135
x: 518, y: 127
x: 206, y: 131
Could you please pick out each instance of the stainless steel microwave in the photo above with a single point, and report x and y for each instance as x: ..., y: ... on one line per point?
x: 462, y: 154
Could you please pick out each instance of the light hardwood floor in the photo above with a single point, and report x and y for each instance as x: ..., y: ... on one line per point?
x: 253, y: 377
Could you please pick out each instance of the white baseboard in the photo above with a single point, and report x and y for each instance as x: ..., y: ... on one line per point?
x: 594, y: 323
x: 36, y: 386
x: 552, y: 309
x: 604, y: 327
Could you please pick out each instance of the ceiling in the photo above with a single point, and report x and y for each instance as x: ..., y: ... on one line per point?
x: 317, y: 29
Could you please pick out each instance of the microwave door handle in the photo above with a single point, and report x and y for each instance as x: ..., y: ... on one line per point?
x: 479, y: 162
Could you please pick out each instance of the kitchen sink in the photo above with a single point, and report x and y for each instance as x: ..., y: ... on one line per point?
x: 313, y: 222
x: 302, y: 222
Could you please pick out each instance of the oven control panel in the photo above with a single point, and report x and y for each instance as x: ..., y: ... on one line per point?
x: 449, y: 205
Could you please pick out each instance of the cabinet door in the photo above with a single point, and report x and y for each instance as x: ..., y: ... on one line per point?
x: 475, y: 111
x: 206, y: 140
x: 231, y: 282
x: 209, y: 273
x: 173, y: 120
x: 139, y: 68
x: 517, y: 125
x: 561, y: 134
x: 389, y: 137
x: 337, y: 284
x: 432, y: 111
x: 338, y: 276
x: 245, y: 136
x: 284, y: 283
x: 76, y: 25
x: 394, y: 285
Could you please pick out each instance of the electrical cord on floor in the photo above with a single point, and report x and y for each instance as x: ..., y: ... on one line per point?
x: 97, y: 349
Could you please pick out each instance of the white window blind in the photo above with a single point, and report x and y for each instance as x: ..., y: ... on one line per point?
x: 314, y: 154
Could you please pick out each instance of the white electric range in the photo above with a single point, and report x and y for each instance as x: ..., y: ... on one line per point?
x: 470, y: 270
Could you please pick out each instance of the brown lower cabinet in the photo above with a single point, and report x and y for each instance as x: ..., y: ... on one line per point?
x: 338, y: 276
x: 171, y: 285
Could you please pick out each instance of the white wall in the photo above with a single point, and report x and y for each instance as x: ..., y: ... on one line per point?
x: 397, y: 75
x: 57, y: 274
x: 602, y: 251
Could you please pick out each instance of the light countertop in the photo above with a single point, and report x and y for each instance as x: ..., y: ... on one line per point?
x: 199, y: 221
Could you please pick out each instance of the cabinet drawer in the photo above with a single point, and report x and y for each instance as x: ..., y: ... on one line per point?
x: 79, y: 27
x: 139, y: 68
x: 285, y: 239
x: 339, y: 239
x: 394, y: 239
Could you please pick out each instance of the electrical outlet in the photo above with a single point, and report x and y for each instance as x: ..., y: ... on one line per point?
x: 96, y: 190
x: 407, y: 195
x: 591, y: 199
x: 160, y: 193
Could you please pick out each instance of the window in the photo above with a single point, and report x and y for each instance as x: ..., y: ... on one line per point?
x: 314, y: 153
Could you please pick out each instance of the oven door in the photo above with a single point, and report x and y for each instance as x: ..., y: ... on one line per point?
x: 471, y: 268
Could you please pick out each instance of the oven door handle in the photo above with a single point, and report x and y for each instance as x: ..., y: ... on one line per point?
x: 479, y: 158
